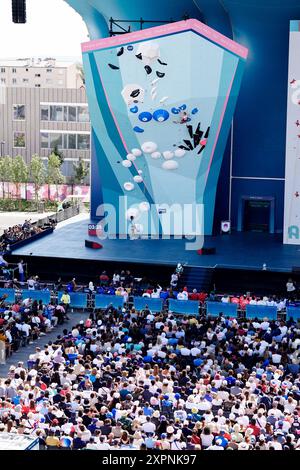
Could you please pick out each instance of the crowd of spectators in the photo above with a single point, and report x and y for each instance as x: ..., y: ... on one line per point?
x: 21, y: 232
x: 127, y: 379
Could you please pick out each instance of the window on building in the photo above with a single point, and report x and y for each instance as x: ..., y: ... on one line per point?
x: 72, y: 114
x: 49, y: 70
x: 37, y: 75
x: 14, y: 70
x: 25, y: 80
x: 56, y: 141
x: 83, y: 142
x: 44, y: 113
x: 19, y: 139
x: 44, y: 140
x: 72, y: 141
x: 56, y: 113
x: 2, y: 69
x: 37, y: 85
x: 83, y: 114
x: 19, y: 112
x: 14, y: 81
x: 3, y: 81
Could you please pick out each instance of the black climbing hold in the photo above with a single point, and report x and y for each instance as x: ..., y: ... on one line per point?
x: 161, y: 63
x: 135, y: 93
x: 120, y: 52
x: 196, y: 140
x: 114, y: 67
x: 183, y: 147
x: 160, y: 74
x: 188, y: 143
x: 190, y: 129
x: 148, y: 69
x: 207, y: 132
x: 139, y: 56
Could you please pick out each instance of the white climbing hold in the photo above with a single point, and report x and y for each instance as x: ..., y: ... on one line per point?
x: 155, y: 155
x: 144, y: 206
x: 131, y: 157
x: 154, y: 81
x: 170, y: 165
x: 149, y: 147
x: 140, y: 172
x: 136, y: 152
x: 128, y: 186
x: 168, y: 155
x: 138, y: 179
x: 179, y: 153
x: 126, y: 163
x: 163, y: 99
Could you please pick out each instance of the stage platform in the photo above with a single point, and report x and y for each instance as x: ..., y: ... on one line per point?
x: 241, y: 251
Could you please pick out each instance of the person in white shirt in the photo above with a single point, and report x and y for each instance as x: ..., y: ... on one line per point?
x: 156, y: 292
x: 182, y: 295
x: 148, y: 426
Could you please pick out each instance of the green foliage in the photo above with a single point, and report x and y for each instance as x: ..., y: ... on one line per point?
x: 37, y: 173
x: 60, y: 155
x: 19, y: 170
x: 54, y: 174
x: 81, y: 171
x: 23, y: 205
x: 6, y: 169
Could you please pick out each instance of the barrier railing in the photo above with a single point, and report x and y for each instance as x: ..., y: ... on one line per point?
x: 82, y: 300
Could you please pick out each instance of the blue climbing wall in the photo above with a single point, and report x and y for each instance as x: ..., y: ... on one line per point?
x: 161, y: 102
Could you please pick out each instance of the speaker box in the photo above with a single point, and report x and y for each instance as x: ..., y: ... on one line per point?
x: 296, y: 269
x: 19, y: 11
x: 206, y: 251
x: 93, y: 245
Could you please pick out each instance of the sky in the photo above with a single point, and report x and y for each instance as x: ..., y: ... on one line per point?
x: 53, y: 29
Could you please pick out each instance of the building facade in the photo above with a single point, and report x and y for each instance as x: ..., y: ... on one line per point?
x: 40, y: 73
x: 36, y: 119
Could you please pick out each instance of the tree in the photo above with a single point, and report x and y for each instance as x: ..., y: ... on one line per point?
x: 59, y: 154
x: 6, y: 171
x: 19, y: 172
x: 37, y: 173
x: 79, y: 67
x: 54, y: 174
x: 81, y: 171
